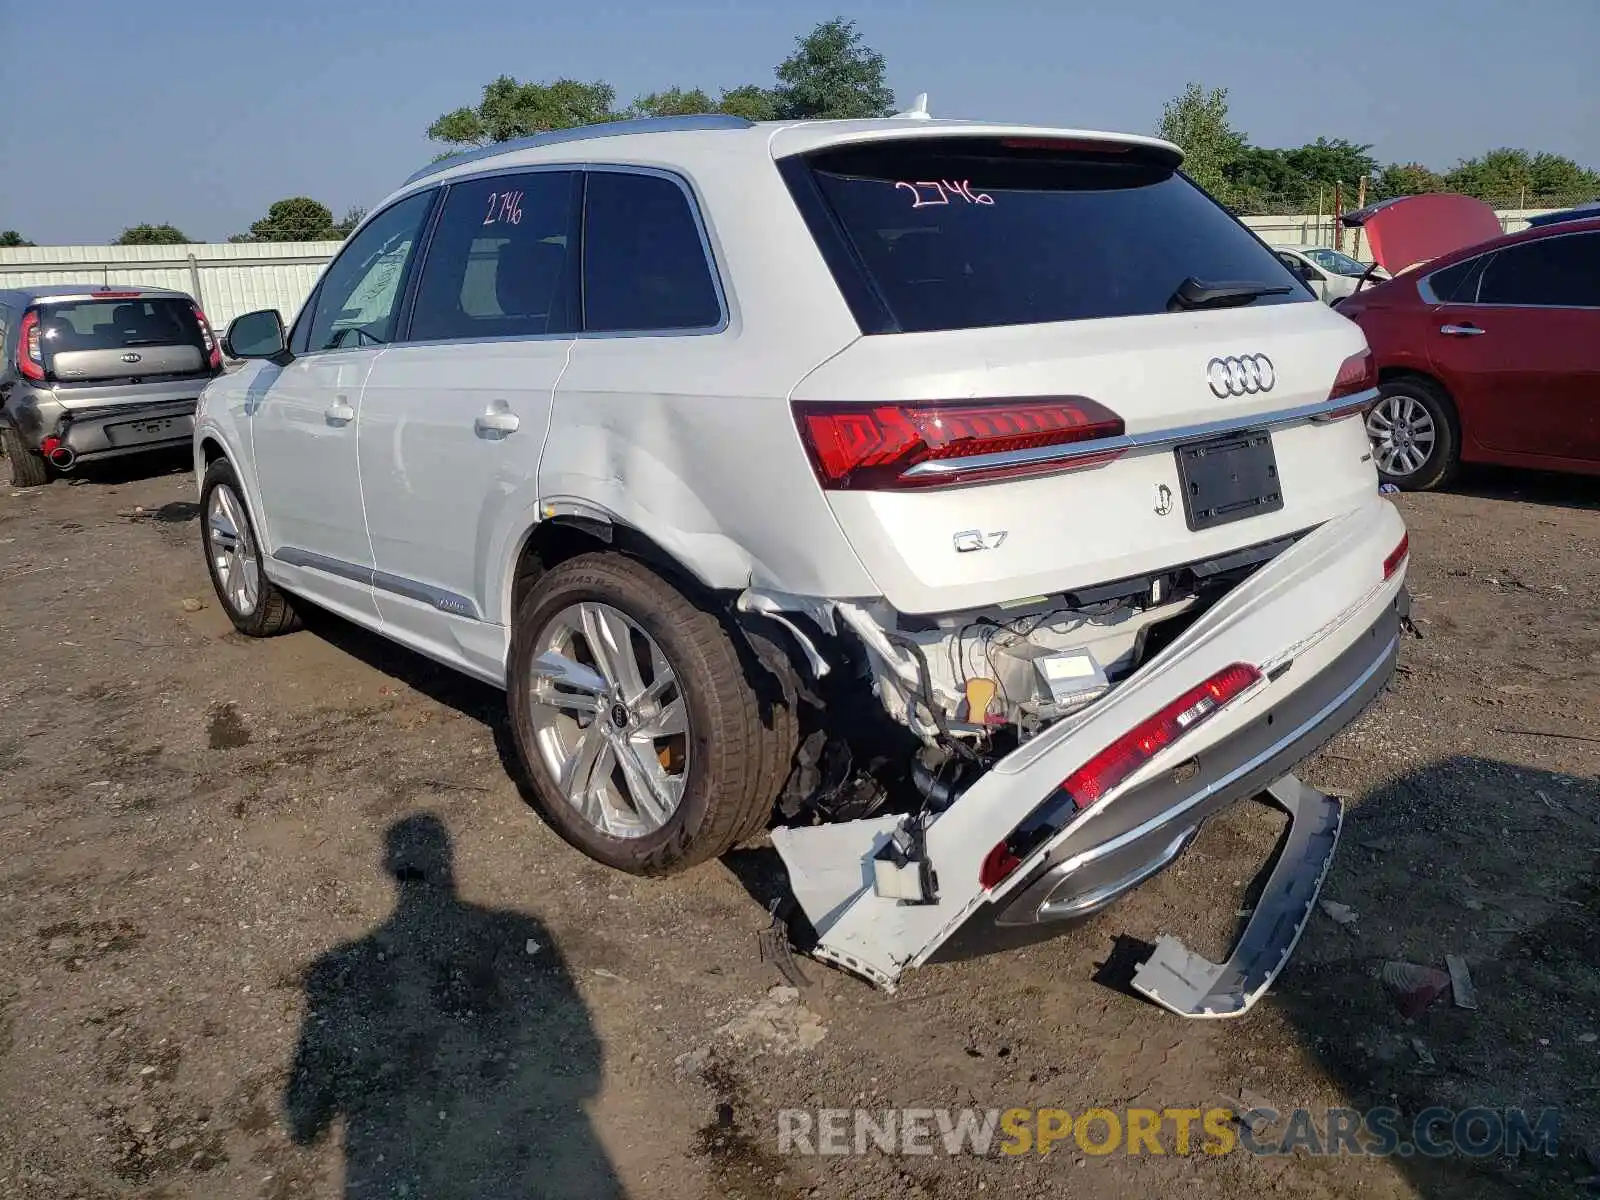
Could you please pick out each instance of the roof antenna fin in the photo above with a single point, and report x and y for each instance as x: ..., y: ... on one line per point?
x: 918, y: 110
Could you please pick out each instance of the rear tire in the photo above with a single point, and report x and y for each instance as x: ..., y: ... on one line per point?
x: 28, y: 470
x: 713, y: 788
x: 1415, y: 434
x: 256, y: 606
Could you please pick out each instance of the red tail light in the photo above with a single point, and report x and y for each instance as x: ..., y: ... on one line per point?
x: 30, y: 354
x: 1154, y: 734
x: 1114, y: 764
x: 213, y: 350
x: 1358, y: 373
x: 1397, y: 557
x: 890, y: 447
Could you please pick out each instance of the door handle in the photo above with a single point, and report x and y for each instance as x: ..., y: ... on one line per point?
x: 496, y: 422
x: 339, y: 413
x: 1461, y: 330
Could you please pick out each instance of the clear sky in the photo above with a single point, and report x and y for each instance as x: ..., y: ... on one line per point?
x: 203, y: 114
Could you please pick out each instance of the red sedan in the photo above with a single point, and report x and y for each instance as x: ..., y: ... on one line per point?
x: 1489, y: 353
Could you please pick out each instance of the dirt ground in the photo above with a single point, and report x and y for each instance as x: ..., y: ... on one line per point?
x: 276, y: 922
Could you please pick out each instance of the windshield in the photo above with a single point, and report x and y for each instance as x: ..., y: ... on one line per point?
x: 1339, y: 264
x: 960, y: 233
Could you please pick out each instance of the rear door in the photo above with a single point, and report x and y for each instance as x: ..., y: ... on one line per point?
x: 1034, y: 284
x: 1521, y: 353
x: 303, y: 415
x: 453, y: 419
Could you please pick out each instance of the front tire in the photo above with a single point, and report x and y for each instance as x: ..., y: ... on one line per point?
x: 649, y: 747
x: 1416, y: 441
x: 256, y: 606
x: 28, y: 470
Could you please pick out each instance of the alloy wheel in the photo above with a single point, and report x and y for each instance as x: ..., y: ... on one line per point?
x: 232, y: 551
x: 609, y: 719
x: 1403, y: 434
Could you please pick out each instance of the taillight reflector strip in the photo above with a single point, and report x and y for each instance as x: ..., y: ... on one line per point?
x: 1114, y: 764
x: 1397, y: 556
x: 875, y: 447
x: 1155, y: 733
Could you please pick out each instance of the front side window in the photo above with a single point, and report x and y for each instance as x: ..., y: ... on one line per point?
x: 965, y: 233
x: 359, y: 297
x: 502, y: 260
x: 1553, y: 272
x: 644, y: 264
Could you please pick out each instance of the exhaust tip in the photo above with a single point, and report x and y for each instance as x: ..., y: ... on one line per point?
x: 62, y: 458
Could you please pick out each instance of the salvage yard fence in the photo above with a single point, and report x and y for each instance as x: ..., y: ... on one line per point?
x: 231, y: 278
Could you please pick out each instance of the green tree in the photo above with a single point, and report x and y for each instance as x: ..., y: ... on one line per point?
x: 1260, y: 180
x: 1325, y: 163
x: 152, y: 235
x: 510, y: 109
x: 752, y: 102
x: 1405, y: 179
x: 674, y: 102
x: 1197, y: 121
x: 344, y: 227
x: 296, y: 219
x: 1513, y: 177
x: 10, y: 237
x: 832, y: 73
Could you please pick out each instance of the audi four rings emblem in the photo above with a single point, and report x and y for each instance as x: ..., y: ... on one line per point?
x: 1242, y: 376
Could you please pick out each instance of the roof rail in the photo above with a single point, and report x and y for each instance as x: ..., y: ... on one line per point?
x: 555, y: 137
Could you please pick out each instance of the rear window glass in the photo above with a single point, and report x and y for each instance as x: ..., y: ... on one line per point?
x: 117, y: 325
x: 958, y: 234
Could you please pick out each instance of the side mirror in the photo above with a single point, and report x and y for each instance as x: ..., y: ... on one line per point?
x: 256, y: 335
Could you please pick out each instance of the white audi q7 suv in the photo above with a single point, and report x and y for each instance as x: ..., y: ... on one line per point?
x: 981, y: 505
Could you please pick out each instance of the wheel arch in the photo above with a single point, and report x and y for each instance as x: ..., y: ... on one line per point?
x: 549, y: 542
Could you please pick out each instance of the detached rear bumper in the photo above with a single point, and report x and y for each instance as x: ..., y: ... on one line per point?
x: 1149, y: 826
x: 1320, y: 622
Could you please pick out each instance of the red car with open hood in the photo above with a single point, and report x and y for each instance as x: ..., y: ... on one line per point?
x: 1487, y: 350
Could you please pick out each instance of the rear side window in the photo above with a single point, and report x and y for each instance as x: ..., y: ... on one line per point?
x: 117, y: 325
x: 645, y: 267
x: 965, y: 233
x: 1451, y: 284
x: 1555, y: 272
x: 501, y: 262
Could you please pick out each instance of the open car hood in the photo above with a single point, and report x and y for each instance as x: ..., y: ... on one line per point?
x: 1410, y: 230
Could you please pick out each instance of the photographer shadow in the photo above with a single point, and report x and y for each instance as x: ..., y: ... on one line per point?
x: 453, y: 1046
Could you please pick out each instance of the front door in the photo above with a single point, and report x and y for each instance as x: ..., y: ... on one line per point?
x: 454, y: 419
x: 303, y: 415
x: 1523, y: 359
